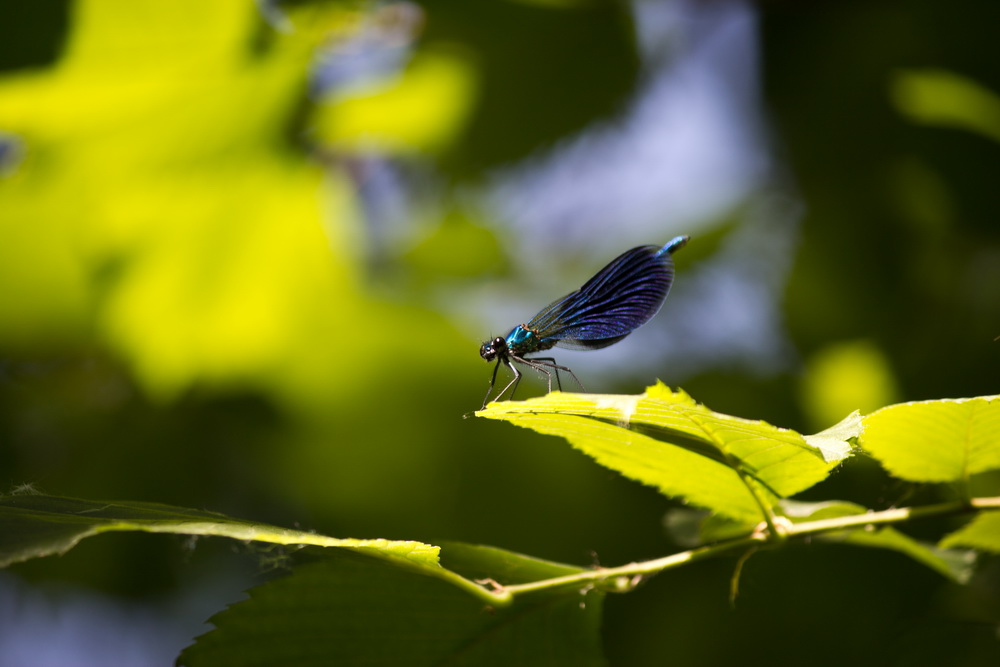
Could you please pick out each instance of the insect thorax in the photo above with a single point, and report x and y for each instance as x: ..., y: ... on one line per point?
x: 522, y: 340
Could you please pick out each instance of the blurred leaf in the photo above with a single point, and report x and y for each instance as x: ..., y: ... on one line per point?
x: 924, y: 200
x: 936, y: 441
x: 684, y: 526
x: 940, y: 97
x: 983, y: 532
x: 667, y: 440
x: 349, y: 609
x: 954, y: 564
x: 159, y: 207
x: 456, y: 247
x: 420, y: 111
x: 32, y: 526
x: 845, y: 377
x: 165, y: 209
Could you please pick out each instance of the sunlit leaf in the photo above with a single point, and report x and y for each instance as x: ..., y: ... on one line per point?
x: 936, y: 441
x: 32, y: 526
x: 667, y: 440
x: 349, y: 609
x: 983, y: 532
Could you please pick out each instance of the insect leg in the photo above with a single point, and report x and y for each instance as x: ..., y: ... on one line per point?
x: 512, y: 383
x: 540, y: 367
x: 493, y: 381
x: 551, y: 363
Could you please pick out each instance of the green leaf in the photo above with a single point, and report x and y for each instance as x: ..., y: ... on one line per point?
x: 954, y: 564
x: 983, y: 533
x: 32, y: 526
x: 667, y: 440
x: 936, y: 441
x: 350, y: 609
x: 366, y: 600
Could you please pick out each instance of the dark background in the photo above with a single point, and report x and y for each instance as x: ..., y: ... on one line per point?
x: 247, y: 257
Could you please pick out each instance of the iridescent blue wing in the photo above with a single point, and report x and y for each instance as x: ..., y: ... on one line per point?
x: 619, y: 299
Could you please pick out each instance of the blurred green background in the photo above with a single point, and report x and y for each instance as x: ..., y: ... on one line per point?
x: 248, y: 252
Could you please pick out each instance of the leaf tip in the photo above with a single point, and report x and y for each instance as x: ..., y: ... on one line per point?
x: 833, y: 443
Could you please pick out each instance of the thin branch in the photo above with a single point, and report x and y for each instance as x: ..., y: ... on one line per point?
x: 773, y: 532
x: 626, y: 577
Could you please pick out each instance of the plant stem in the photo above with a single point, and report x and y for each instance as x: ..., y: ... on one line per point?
x: 772, y: 529
x: 625, y: 577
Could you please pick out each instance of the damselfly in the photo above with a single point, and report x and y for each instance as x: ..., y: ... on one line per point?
x: 619, y: 299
